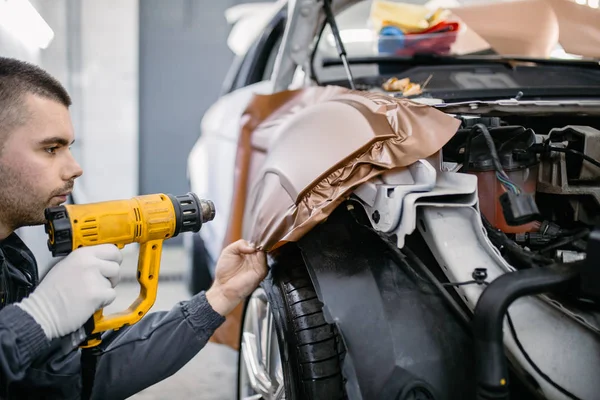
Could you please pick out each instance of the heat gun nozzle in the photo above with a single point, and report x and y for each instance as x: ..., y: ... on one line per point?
x: 192, y: 212
x: 208, y: 210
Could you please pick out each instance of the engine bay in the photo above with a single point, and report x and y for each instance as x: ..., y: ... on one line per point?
x: 538, y: 183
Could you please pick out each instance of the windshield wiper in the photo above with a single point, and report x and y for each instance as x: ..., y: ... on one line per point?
x: 541, y: 61
x: 434, y: 59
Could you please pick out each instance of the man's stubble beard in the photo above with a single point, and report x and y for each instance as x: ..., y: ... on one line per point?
x: 18, y: 205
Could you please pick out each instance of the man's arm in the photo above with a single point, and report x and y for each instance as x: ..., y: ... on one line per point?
x: 160, y: 344
x: 143, y: 354
x: 27, y: 328
x: 131, y: 359
x: 21, y: 341
x: 154, y: 348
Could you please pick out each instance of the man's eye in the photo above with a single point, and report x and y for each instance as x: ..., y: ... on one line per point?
x: 51, y: 150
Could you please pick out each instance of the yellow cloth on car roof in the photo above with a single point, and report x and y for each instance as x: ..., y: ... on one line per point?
x: 410, y: 18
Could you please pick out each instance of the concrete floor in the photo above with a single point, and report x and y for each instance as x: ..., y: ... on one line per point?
x: 211, y: 375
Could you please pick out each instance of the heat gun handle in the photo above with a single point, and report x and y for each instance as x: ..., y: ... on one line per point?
x: 147, y: 276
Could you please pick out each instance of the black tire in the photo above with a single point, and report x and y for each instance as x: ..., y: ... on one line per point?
x: 311, y: 349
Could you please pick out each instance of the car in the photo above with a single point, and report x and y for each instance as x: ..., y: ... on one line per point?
x: 425, y: 181
x: 254, y: 39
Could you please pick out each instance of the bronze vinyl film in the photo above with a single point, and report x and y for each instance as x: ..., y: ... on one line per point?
x: 327, y: 149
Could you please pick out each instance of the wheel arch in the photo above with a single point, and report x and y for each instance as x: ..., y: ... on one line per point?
x: 370, y: 297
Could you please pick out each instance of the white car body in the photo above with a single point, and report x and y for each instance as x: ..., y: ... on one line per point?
x: 211, y: 172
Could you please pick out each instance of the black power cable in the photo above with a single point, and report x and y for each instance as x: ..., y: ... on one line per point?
x: 489, y: 141
x: 546, y: 148
x: 565, y: 241
x: 513, y: 332
x: 502, y: 242
x: 491, y: 309
x: 537, y: 369
x: 576, y: 152
x: 491, y: 146
x: 457, y: 284
x: 518, y: 207
x: 400, y: 255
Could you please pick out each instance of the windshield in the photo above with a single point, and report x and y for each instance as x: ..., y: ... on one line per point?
x: 536, y: 29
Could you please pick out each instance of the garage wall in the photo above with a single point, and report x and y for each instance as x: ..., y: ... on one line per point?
x: 183, y: 61
x: 141, y: 74
x: 105, y: 78
x: 94, y: 54
x: 11, y: 46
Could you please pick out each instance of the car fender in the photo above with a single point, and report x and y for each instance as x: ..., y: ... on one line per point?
x: 211, y: 161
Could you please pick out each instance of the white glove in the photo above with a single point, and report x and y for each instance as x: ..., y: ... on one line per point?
x: 74, y: 289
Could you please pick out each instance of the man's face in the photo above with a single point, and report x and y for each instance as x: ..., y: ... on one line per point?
x: 37, y: 169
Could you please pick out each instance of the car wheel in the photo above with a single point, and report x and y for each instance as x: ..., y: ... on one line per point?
x: 287, y: 348
x: 197, y: 276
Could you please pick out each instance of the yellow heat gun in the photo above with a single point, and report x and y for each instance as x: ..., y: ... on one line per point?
x: 147, y: 220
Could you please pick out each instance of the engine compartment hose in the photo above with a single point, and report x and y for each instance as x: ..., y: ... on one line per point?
x: 488, y: 318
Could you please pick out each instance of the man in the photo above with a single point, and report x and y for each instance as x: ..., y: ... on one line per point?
x: 37, y: 170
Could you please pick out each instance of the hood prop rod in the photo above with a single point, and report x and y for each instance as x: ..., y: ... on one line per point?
x: 488, y: 319
x: 338, y: 41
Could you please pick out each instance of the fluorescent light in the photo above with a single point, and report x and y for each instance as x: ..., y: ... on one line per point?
x: 23, y: 21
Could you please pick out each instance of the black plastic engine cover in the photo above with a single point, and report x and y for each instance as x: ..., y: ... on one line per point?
x: 399, y: 334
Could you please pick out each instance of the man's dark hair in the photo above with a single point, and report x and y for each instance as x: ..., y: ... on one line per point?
x: 18, y: 78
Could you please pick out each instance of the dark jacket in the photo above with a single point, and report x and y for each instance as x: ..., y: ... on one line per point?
x: 132, y: 359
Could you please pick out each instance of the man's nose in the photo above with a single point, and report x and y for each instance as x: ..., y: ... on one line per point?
x: 72, y: 169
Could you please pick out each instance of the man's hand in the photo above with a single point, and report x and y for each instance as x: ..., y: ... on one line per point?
x: 74, y: 289
x: 239, y: 271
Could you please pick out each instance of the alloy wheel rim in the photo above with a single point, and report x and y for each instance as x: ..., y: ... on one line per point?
x: 261, y: 371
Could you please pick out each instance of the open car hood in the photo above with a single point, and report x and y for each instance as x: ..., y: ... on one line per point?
x: 533, y: 28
